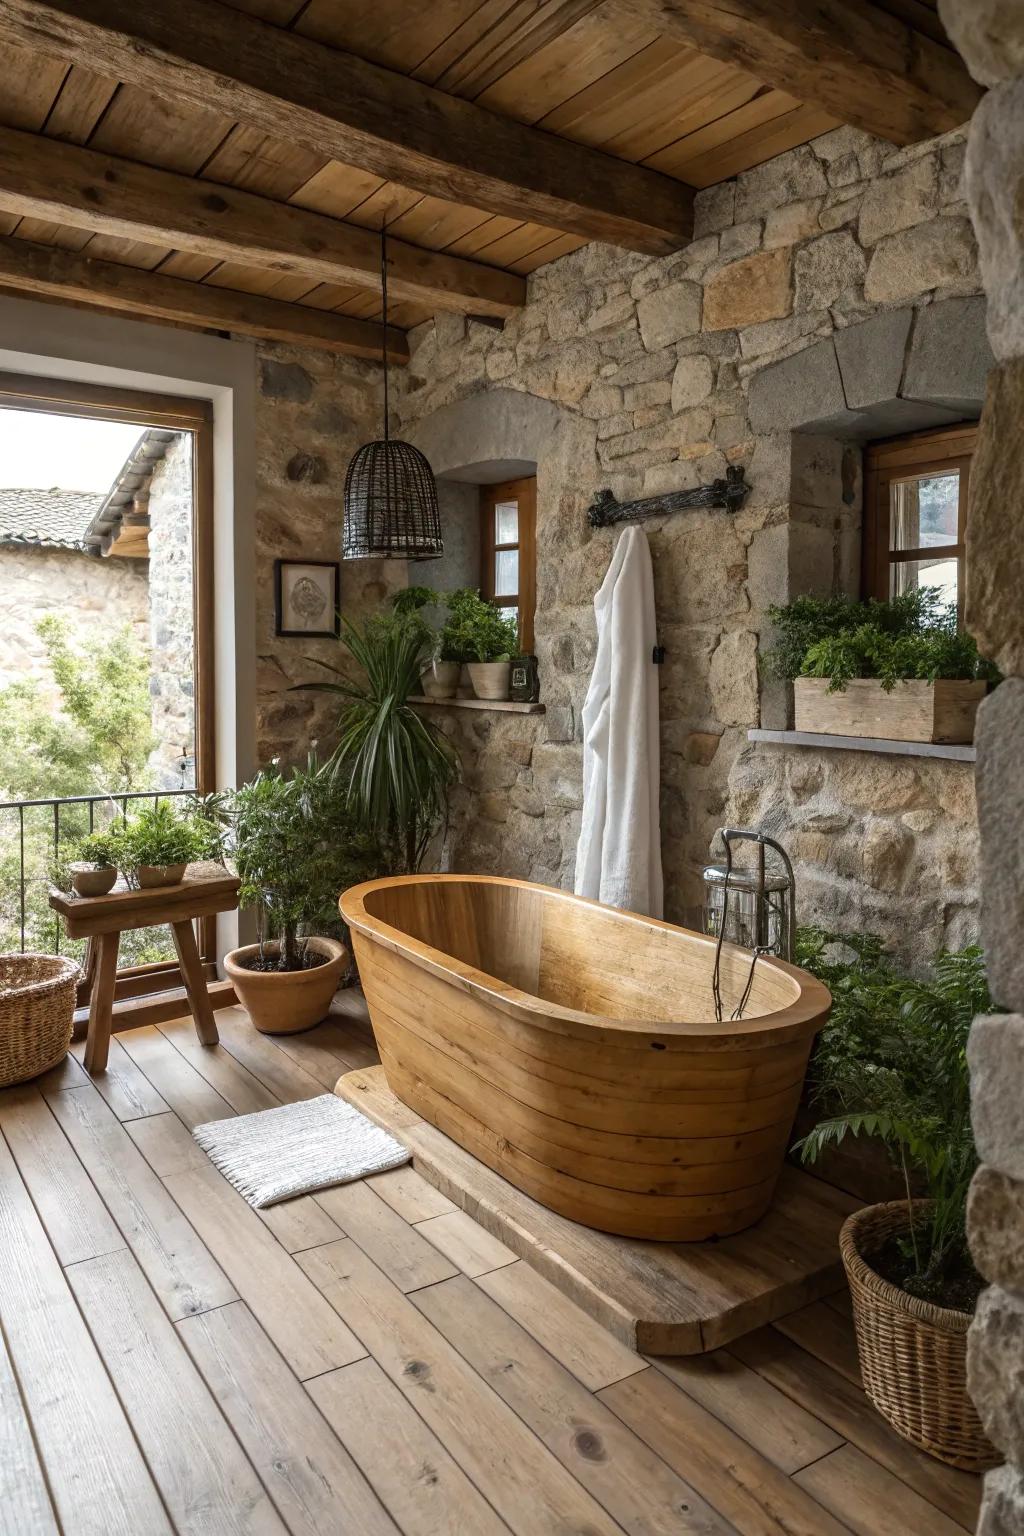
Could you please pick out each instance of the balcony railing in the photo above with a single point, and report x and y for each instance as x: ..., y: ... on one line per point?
x: 32, y: 832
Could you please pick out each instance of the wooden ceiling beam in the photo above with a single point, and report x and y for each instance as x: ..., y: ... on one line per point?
x: 849, y: 57
x: 47, y: 179
x: 347, y: 109
x: 54, y: 273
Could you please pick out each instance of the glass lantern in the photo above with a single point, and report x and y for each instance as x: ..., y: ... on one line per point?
x: 755, y: 903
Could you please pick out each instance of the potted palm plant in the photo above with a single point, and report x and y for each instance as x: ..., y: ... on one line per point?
x: 296, y: 849
x: 396, y: 767
x: 892, y: 1063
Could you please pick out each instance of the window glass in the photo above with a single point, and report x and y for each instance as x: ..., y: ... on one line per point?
x: 942, y: 574
x: 506, y: 522
x: 923, y: 511
x: 506, y: 573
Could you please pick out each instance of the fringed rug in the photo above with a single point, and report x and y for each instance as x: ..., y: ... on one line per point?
x: 277, y: 1154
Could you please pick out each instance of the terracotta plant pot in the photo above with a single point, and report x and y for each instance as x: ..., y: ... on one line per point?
x: 151, y: 875
x: 90, y: 881
x: 913, y: 1354
x: 490, y: 678
x: 283, y: 1002
x: 441, y: 679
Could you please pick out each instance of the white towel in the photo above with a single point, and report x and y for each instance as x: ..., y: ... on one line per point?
x: 618, y: 857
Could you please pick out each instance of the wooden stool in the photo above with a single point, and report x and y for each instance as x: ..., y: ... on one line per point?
x: 206, y: 889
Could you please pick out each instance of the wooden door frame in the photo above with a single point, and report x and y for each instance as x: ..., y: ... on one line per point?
x: 64, y: 397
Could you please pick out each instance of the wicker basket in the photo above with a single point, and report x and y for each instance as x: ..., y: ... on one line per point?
x: 37, y: 1001
x: 913, y: 1355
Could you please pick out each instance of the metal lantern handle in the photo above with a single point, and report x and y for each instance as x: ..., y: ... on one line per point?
x: 730, y: 835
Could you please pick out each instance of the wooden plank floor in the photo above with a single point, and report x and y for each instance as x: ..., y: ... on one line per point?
x: 370, y: 1362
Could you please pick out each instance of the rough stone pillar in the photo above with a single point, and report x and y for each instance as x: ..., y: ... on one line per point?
x: 990, y: 35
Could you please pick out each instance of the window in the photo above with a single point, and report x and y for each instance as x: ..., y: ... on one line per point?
x: 915, y: 513
x: 508, y: 552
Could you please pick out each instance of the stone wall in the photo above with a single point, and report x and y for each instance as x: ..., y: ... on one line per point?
x: 313, y: 411
x: 171, y: 637
x: 828, y: 298
x: 88, y: 591
x: 990, y: 35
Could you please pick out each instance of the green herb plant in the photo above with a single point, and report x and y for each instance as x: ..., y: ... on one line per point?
x: 396, y: 768
x: 163, y: 834
x: 477, y: 630
x: 296, y: 846
x: 891, y: 1063
x: 912, y: 636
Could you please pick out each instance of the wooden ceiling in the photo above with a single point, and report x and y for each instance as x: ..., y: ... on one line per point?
x: 521, y: 128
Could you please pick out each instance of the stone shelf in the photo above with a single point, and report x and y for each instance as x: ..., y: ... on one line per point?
x: 503, y: 706
x: 958, y: 754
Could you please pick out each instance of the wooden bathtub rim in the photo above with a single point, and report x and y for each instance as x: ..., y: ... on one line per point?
x: 803, y: 1017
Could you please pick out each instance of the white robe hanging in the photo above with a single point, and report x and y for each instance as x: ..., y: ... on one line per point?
x: 618, y: 857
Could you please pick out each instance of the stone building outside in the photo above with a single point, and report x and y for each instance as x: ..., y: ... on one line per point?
x: 58, y: 556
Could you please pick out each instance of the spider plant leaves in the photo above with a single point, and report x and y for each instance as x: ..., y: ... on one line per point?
x: 396, y: 767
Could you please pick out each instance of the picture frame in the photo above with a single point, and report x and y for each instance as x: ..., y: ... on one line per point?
x: 307, y: 599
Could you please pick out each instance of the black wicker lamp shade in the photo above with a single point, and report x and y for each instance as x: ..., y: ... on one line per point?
x: 391, y: 508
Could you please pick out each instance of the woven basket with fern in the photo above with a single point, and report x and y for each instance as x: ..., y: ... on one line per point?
x: 891, y: 1064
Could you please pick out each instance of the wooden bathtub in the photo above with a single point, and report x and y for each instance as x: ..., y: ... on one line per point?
x: 573, y: 1049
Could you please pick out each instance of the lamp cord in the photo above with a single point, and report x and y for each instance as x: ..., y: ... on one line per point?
x: 384, y: 322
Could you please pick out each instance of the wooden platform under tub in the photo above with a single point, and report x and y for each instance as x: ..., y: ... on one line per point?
x: 658, y: 1298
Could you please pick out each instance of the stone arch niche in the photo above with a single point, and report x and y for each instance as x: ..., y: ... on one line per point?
x: 902, y: 371
x: 500, y: 434
x: 863, y: 831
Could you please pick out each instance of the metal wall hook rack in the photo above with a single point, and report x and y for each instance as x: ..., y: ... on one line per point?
x: 730, y: 493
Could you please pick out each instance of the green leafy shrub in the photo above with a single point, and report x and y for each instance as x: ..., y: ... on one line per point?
x: 913, y: 636
x: 297, y: 846
x: 99, y: 736
x: 163, y: 834
x: 476, y: 630
x: 891, y: 1063
x: 102, y: 849
x: 396, y: 767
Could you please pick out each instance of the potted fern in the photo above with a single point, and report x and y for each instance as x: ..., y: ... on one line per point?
x: 900, y: 669
x: 891, y: 1063
x: 158, y: 843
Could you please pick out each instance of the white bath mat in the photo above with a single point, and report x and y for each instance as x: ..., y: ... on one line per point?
x: 276, y: 1154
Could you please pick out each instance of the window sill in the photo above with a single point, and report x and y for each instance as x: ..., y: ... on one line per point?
x: 878, y: 744
x: 503, y: 706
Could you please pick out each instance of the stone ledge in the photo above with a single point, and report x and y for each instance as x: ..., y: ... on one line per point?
x: 879, y: 744
x: 503, y: 706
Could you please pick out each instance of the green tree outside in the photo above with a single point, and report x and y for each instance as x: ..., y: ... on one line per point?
x: 85, y: 730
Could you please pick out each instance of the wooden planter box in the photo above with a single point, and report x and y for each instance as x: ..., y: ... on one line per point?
x: 913, y: 711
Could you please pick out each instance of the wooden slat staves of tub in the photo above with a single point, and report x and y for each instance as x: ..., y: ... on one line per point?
x: 573, y: 1049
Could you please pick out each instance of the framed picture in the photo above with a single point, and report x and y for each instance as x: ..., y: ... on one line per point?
x: 306, y: 597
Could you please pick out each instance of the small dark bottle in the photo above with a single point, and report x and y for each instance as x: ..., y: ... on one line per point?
x: 524, y: 683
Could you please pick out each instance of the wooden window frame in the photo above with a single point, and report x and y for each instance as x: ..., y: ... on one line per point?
x: 62, y: 397
x: 524, y: 493
x: 910, y: 457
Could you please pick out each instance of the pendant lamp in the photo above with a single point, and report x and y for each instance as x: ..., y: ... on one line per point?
x: 390, y: 493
